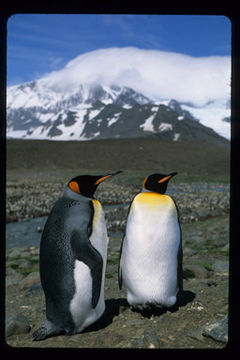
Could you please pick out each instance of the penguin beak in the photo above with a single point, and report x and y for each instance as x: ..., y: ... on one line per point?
x: 167, y: 177
x: 105, y: 177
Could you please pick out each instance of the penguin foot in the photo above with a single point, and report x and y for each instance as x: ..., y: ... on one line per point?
x: 148, y: 310
x: 146, y: 306
x: 137, y: 307
x: 40, y: 334
x: 46, y: 329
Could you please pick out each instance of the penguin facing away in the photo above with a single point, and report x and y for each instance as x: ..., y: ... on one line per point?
x: 150, y: 264
x: 73, y: 252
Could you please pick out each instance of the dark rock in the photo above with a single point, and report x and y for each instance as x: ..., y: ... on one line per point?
x: 221, y: 267
x: 14, y: 278
x: 202, y: 213
x: 25, y: 264
x: 188, y: 274
x: 35, y: 289
x: 196, y: 334
x: 14, y: 253
x: 218, y: 330
x: 151, y: 339
x: 28, y: 281
x: 135, y: 322
x: 140, y: 342
x: 211, y: 283
x: 16, y: 324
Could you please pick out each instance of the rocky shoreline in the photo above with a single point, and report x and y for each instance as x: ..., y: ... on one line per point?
x: 199, y: 321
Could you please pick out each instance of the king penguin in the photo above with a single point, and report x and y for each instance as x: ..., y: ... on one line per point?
x: 73, y: 252
x: 150, y: 263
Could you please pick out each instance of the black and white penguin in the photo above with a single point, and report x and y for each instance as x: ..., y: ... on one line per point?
x: 73, y: 252
x: 150, y: 264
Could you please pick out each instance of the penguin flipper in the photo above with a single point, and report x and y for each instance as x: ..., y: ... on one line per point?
x: 97, y: 282
x: 120, y: 253
x: 85, y: 252
x: 179, y: 254
x: 120, y: 277
x: 179, y: 267
x: 120, y: 266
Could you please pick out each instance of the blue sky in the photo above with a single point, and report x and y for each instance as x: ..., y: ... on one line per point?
x: 38, y: 44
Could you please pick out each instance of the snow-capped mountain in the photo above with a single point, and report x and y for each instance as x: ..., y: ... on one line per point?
x: 63, y: 107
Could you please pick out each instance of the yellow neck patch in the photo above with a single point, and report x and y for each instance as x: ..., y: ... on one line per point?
x: 96, y: 204
x: 97, y: 208
x: 153, y: 199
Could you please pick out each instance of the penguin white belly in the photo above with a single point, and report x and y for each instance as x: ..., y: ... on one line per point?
x: 149, y: 255
x: 81, y: 308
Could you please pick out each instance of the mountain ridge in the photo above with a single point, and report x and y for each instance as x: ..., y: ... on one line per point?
x: 41, y: 109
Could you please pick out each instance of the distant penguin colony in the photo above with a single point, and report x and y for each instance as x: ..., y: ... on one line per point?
x: 73, y: 254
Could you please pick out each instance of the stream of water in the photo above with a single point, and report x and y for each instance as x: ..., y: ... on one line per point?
x: 28, y: 232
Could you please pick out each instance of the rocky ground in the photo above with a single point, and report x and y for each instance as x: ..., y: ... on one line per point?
x: 199, y: 321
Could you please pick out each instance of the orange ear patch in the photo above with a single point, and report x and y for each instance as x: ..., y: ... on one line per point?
x: 73, y: 185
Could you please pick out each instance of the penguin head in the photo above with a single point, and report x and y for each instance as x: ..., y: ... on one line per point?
x: 86, y: 185
x: 157, y: 182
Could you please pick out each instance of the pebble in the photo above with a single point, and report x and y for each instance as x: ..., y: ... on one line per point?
x: 25, y: 264
x: 140, y: 342
x: 221, y: 267
x: 14, y: 253
x: 217, y: 331
x: 135, y: 322
x: 13, y: 278
x: 35, y: 289
x: 211, y: 283
x: 196, y: 334
x: 28, y: 281
x: 16, y: 324
x: 151, y: 339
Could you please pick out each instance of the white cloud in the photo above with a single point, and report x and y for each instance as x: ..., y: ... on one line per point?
x: 55, y: 61
x: 158, y: 74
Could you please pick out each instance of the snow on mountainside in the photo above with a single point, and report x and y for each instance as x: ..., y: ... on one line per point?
x: 80, y: 102
x: 61, y: 117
